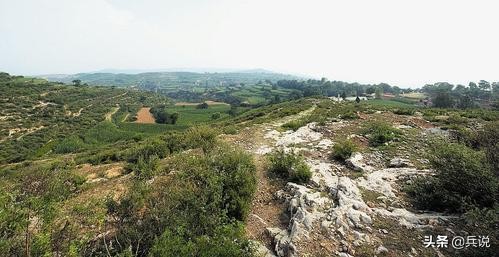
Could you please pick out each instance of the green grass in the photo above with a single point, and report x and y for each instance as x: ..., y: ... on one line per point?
x: 389, y: 103
x: 190, y: 115
x: 150, y: 128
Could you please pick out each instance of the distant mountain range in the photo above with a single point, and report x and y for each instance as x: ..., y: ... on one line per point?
x: 196, y: 70
x: 171, y: 78
x: 138, y: 71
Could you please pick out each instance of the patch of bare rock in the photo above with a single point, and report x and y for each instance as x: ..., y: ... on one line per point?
x: 332, y: 203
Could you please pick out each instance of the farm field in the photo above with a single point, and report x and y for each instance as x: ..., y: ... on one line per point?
x: 144, y: 116
x: 194, y: 104
x: 190, y: 115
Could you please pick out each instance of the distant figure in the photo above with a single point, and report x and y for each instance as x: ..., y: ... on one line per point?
x: 357, y: 100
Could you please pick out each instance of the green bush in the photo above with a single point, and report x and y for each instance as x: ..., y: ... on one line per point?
x: 290, y: 166
x: 144, y: 167
x: 343, y: 149
x: 294, y: 124
x: 488, y: 140
x: 456, y: 119
x: 230, y: 130
x: 203, y: 136
x: 238, y: 171
x: 462, y: 178
x: 404, y: 111
x: 195, y: 211
x: 70, y: 144
x: 482, y: 222
x: 348, y: 115
x: 216, y: 115
x: 147, y: 149
x: 221, y: 243
x: 379, y: 133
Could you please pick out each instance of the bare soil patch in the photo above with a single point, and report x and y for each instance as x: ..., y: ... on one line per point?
x: 144, y: 116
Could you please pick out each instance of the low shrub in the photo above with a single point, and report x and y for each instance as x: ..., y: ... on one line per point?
x: 216, y: 115
x: 462, y: 179
x: 404, y: 111
x: 379, y: 133
x: 146, y: 150
x: 488, y: 141
x: 70, y: 144
x: 221, y: 243
x: 198, y: 210
x: 230, y: 130
x: 348, y: 115
x: 290, y: 166
x: 343, y: 149
x: 144, y: 167
x: 294, y: 124
x: 456, y: 119
x: 203, y: 137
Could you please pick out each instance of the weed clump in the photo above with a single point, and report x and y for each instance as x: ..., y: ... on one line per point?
x: 294, y: 124
x: 343, y: 150
x: 290, y: 166
x: 379, y: 133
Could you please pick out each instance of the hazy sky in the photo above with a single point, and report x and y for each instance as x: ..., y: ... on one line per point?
x: 404, y: 43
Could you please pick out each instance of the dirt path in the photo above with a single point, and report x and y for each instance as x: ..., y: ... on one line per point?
x: 145, y: 116
x: 267, y: 210
x: 126, y: 117
x: 110, y: 114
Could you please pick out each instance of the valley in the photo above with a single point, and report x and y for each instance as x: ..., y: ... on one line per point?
x: 103, y: 171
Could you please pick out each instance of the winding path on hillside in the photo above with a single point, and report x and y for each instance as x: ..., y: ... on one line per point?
x: 110, y: 114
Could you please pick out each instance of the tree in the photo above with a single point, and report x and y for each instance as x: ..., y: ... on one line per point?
x: 465, y: 101
x: 276, y: 99
x: 443, y: 100
x: 396, y: 90
x: 77, y: 82
x: 174, y: 117
x: 202, y: 106
x: 215, y: 116
x: 379, y: 93
x: 370, y: 90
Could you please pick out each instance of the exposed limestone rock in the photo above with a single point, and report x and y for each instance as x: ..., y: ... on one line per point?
x: 305, y: 207
x: 282, y: 243
x: 333, y: 203
x: 411, y: 220
x: 381, y: 249
x: 322, y: 175
x: 262, y: 150
x: 351, y: 211
x: 399, y: 163
x: 304, y: 134
x: 325, y: 144
x: 356, y: 163
x: 436, y: 131
x: 402, y: 126
x: 381, y: 180
x: 261, y: 250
